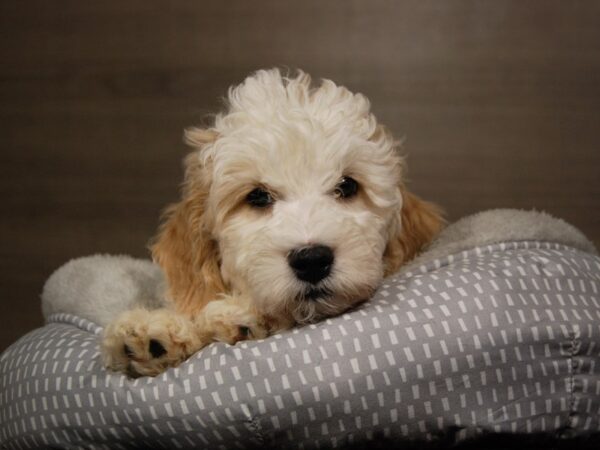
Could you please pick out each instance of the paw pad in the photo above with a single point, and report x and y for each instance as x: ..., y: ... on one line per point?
x: 244, y: 331
x: 156, y: 348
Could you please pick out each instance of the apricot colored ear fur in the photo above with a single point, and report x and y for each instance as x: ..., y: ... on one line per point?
x: 184, y: 248
x: 419, y: 221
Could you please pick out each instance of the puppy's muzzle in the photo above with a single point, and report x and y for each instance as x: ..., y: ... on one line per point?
x: 312, y: 263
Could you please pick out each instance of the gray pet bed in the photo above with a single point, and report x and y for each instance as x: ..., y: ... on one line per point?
x: 493, y: 332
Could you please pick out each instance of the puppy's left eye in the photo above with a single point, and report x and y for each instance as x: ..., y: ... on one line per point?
x: 259, y: 198
x: 346, y: 188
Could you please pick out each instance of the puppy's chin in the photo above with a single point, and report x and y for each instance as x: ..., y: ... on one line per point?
x: 314, y: 304
x: 312, y: 293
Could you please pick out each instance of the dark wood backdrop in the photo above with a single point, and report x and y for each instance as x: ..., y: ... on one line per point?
x: 499, y: 102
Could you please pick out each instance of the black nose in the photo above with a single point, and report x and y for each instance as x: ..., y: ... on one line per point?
x: 312, y: 263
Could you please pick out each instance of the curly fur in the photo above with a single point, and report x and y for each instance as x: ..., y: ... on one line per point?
x: 298, y: 141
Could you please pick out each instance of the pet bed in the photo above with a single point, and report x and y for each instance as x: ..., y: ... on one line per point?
x: 494, y: 332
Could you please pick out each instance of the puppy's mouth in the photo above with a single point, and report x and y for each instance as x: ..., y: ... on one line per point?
x: 314, y: 293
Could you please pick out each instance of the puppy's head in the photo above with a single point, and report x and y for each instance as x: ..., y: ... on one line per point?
x: 293, y: 198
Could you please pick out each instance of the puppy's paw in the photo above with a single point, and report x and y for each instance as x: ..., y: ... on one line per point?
x: 145, y: 343
x: 226, y: 321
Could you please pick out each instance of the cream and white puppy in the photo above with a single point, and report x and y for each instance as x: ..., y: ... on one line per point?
x: 293, y: 209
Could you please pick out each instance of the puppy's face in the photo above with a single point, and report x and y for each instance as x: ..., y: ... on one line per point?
x: 303, y: 196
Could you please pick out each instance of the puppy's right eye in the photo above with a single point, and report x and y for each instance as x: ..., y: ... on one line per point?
x: 259, y: 198
x: 346, y: 188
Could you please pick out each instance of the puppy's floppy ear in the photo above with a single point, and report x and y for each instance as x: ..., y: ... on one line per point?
x: 183, y: 247
x: 415, y: 226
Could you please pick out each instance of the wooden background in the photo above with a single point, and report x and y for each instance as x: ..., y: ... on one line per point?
x: 499, y: 102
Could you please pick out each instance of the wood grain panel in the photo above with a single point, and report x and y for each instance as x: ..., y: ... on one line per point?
x: 499, y: 104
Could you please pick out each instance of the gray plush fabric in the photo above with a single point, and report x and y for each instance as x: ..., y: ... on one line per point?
x: 497, y: 339
x: 100, y: 287
x: 503, y: 225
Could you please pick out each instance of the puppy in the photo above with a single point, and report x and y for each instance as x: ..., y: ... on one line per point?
x: 293, y: 209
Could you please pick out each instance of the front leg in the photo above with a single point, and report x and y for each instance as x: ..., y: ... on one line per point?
x: 144, y: 342
x: 230, y: 319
